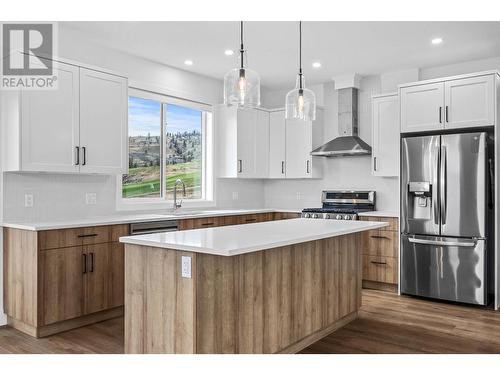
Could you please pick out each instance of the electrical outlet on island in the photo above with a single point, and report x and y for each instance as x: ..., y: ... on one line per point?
x: 91, y: 198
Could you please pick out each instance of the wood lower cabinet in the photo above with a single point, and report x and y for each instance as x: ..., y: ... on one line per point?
x: 49, y: 289
x: 61, y: 276
x: 98, y: 277
x: 220, y: 221
x: 380, y: 255
x: 380, y: 269
x: 285, y: 215
x: 115, y: 275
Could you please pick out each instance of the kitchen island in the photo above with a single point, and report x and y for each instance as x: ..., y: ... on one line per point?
x: 272, y: 287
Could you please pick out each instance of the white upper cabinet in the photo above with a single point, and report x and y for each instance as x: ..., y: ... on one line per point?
x: 256, y: 143
x: 290, y: 145
x: 298, y: 148
x: 277, y: 144
x: 103, y: 122
x: 449, y: 103
x: 262, y: 144
x: 243, y: 136
x: 79, y: 127
x: 385, y: 135
x: 246, y: 142
x: 50, y: 125
x: 470, y: 102
x: 422, y: 107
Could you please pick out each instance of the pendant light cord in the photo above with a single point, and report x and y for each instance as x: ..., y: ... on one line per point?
x: 242, y: 51
x: 300, y: 54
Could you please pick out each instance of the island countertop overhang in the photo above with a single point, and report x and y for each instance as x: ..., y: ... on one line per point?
x: 241, y: 239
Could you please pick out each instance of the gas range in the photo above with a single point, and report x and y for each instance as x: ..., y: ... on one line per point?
x: 342, y: 205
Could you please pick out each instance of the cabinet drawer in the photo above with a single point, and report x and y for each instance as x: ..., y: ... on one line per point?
x: 248, y: 219
x: 381, y: 269
x: 393, y: 222
x: 58, y: 238
x: 380, y: 243
x: 206, y: 222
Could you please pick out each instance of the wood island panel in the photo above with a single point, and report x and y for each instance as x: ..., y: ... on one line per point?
x: 160, y: 305
x: 270, y: 301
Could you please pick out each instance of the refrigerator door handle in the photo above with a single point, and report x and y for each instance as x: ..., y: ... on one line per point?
x: 435, y: 189
x: 442, y: 243
x: 442, y: 184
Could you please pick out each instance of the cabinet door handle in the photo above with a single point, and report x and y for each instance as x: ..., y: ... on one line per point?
x: 87, y: 235
x: 84, y: 261
x: 375, y: 163
x: 207, y: 224
x: 282, y: 167
x: 375, y: 262
x: 446, y: 114
x: 383, y: 237
x: 240, y: 165
x: 440, y: 116
x: 307, y: 166
x: 250, y: 220
x: 91, y: 262
x: 84, y: 150
x: 77, y: 155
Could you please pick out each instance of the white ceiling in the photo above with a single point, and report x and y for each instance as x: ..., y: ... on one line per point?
x: 341, y: 47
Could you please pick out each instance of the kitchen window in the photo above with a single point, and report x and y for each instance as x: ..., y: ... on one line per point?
x: 169, y: 139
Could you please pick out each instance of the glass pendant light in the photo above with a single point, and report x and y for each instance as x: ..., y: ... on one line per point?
x: 242, y: 85
x: 300, y: 102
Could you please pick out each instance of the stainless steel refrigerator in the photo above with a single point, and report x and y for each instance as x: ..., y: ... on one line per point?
x: 447, y: 216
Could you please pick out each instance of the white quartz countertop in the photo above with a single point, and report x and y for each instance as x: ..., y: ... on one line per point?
x: 241, y: 239
x: 380, y: 213
x: 137, y: 218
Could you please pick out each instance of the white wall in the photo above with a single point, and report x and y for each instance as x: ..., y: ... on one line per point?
x: 460, y: 68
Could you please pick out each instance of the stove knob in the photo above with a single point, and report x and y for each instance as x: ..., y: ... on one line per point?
x: 338, y: 217
x: 347, y: 217
x: 315, y: 216
x: 327, y: 216
x: 307, y: 215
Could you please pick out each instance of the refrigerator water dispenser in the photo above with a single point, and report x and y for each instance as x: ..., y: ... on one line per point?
x: 419, y: 200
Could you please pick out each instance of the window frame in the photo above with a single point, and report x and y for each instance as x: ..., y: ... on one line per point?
x: 208, y: 176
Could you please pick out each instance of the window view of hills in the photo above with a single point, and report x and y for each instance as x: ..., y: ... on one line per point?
x: 182, y: 151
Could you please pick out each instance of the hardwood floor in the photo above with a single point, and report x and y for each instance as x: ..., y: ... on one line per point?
x: 100, y: 338
x: 387, y: 324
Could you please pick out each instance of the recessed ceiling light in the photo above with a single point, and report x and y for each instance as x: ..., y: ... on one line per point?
x: 316, y: 64
x: 229, y: 52
x: 437, y: 41
x: 188, y: 62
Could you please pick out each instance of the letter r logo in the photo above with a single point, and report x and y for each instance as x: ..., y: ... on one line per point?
x: 27, y: 49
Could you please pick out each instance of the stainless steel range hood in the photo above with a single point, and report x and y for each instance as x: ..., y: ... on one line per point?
x: 348, y: 144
